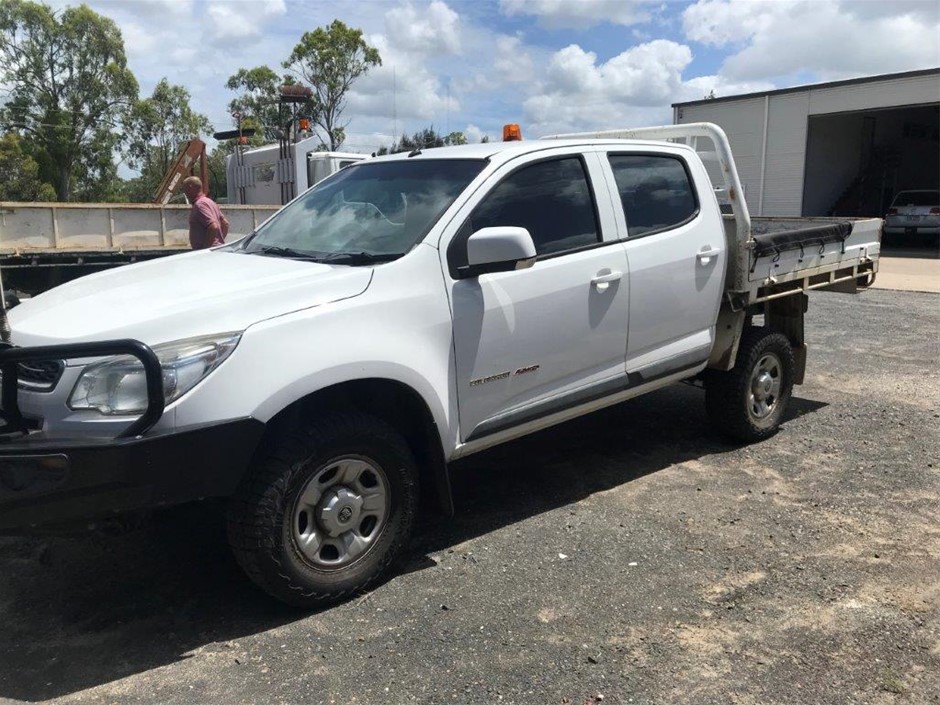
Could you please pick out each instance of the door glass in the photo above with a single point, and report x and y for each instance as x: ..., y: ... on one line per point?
x: 656, y: 192
x: 550, y: 199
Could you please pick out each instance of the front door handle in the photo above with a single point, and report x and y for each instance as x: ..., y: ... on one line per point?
x: 706, y: 253
x: 603, y: 278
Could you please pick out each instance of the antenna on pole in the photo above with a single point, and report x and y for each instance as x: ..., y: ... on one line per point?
x: 394, y: 103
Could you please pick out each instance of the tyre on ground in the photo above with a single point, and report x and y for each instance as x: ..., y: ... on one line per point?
x: 748, y: 402
x: 325, y: 509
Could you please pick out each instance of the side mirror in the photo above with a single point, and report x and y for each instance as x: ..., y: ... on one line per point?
x: 500, y: 249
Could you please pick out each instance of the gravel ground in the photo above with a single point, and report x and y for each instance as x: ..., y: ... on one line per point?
x: 629, y: 556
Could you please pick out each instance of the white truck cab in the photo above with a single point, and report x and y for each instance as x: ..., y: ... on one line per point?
x: 405, y: 312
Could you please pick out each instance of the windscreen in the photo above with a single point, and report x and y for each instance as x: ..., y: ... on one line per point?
x: 372, y: 209
x: 917, y: 198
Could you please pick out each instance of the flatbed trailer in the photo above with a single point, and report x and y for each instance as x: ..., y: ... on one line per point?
x: 46, y: 244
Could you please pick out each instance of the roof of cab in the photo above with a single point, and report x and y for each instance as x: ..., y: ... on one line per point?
x: 508, y: 150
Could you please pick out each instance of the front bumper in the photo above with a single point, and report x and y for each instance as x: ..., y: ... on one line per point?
x: 50, y: 480
x: 46, y: 481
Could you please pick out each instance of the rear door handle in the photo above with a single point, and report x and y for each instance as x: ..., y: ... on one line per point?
x: 706, y: 253
x: 603, y: 278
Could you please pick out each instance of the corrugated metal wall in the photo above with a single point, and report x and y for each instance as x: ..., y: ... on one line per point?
x: 786, y: 154
x: 783, y: 168
x: 743, y: 121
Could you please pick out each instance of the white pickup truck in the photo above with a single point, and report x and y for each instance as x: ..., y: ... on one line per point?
x: 403, y: 313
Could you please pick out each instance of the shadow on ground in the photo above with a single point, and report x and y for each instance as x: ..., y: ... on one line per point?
x: 81, y: 612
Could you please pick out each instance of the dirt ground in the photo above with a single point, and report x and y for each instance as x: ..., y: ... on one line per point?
x: 629, y: 556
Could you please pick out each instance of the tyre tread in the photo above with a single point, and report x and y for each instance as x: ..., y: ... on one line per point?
x: 255, y: 512
x: 725, y: 391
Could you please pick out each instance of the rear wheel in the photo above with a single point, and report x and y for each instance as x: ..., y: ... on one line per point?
x: 748, y: 402
x: 325, y: 510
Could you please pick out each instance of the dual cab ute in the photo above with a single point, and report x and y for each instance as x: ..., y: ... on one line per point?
x: 407, y: 311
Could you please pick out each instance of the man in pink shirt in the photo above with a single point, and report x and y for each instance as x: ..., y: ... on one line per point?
x: 207, y: 226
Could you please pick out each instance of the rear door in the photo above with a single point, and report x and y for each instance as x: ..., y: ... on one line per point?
x: 675, y: 245
x: 537, y: 341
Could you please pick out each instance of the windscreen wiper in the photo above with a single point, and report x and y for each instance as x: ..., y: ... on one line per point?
x: 354, y: 258
x: 278, y: 251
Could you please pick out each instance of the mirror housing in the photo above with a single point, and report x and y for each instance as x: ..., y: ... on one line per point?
x: 499, y: 249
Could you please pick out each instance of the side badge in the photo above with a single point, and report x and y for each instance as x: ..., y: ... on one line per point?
x: 503, y: 375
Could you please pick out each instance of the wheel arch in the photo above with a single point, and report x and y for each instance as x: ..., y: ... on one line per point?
x: 400, y: 406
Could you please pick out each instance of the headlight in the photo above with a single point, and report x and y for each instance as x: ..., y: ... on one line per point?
x: 118, y: 385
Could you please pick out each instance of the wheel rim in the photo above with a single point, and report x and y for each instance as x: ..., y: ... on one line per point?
x: 764, y: 387
x: 341, y: 511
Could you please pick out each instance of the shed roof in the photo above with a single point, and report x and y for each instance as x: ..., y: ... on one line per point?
x: 813, y: 87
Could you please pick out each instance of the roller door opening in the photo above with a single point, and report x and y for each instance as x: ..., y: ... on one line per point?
x: 857, y: 162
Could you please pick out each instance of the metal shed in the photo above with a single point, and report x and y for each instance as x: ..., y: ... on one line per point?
x: 839, y: 148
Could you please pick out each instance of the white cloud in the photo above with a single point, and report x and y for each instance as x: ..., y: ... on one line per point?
x: 634, y: 87
x: 237, y: 22
x: 824, y: 37
x: 406, y: 87
x: 402, y: 88
x: 473, y: 134
x: 153, y: 9
x: 513, y: 63
x: 720, y: 22
x: 701, y: 86
x: 431, y: 30
x: 580, y: 14
x: 926, y: 10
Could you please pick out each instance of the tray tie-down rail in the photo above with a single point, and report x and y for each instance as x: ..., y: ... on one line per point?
x: 10, y: 356
x: 817, y: 236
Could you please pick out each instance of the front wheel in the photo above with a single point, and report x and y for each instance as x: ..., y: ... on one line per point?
x: 325, y: 510
x: 748, y: 402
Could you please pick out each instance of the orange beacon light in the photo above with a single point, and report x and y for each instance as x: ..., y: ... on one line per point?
x: 511, y: 133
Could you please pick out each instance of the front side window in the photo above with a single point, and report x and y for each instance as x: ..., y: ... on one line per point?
x: 550, y: 199
x: 369, y: 211
x: 656, y: 192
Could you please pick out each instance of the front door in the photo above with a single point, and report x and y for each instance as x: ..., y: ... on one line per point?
x: 532, y: 342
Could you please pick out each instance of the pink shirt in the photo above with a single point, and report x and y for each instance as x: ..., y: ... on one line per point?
x: 204, y: 213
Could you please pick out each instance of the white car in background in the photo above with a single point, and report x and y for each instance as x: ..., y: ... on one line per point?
x: 914, y: 213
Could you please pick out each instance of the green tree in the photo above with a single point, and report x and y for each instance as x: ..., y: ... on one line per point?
x: 423, y: 139
x: 218, y: 177
x: 95, y: 177
x: 258, y: 101
x: 159, y: 126
x: 69, y: 87
x: 330, y: 59
x: 20, y: 171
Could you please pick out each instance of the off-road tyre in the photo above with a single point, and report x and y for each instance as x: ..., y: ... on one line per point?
x: 730, y: 396
x: 261, y: 516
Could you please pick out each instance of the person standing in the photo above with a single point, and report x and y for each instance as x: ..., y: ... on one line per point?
x: 207, y: 226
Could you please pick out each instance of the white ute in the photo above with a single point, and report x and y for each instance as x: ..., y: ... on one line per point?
x: 407, y: 311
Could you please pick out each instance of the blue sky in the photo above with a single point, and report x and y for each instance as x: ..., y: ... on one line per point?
x: 551, y: 65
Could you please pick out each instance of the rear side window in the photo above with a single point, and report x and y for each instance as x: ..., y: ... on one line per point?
x: 656, y: 192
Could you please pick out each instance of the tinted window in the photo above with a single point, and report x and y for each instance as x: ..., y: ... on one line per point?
x: 552, y: 200
x: 655, y: 191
